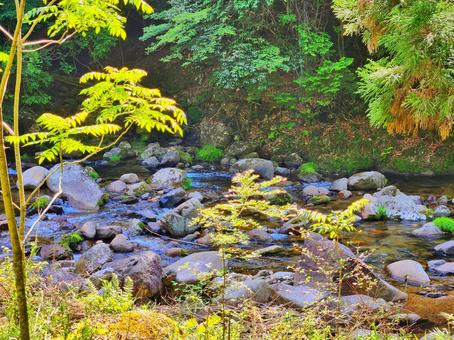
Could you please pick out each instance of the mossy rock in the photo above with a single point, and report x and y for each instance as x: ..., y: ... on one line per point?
x: 320, y: 199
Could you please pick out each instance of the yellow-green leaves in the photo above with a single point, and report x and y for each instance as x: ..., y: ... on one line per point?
x: 3, y: 59
x: 118, y: 96
x: 74, y: 16
x: 115, y: 103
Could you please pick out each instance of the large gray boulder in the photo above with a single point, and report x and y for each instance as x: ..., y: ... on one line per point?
x: 368, y: 180
x: 81, y: 190
x: 441, y: 267
x: 123, y: 151
x: 144, y: 270
x: 263, y: 167
x: 168, y: 178
x: 94, y: 258
x: 178, y: 225
x: 340, y: 184
x: 240, y: 148
x: 195, y: 267
x: 428, y: 230
x: 409, y: 272
x: 321, y: 252
x: 396, y: 204
x: 300, y: 296
x: 152, y: 150
x: 215, y: 133
x: 170, y: 158
x: 34, y: 176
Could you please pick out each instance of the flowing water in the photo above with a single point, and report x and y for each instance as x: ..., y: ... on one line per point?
x: 384, y: 242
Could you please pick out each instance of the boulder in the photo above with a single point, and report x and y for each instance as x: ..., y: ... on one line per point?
x: 144, y: 270
x: 396, y: 204
x: 107, y: 232
x: 94, y: 258
x: 121, y: 244
x: 117, y: 187
x: 188, y: 209
x: 442, y: 211
x: 88, y: 230
x: 260, y: 235
x: 215, y: 133
x: 152, y: 150
x: 81, y: 190
x: 170, y: 158
x: 368, y: 180
x: 312, y: 190
x: 409, y: 272
x: 263, y: 167
x: 357, y: 302
x: 300, y: 296
x: 292, y: 160
x: 428, y: 230
x: 168, y: 178
x: 130, y: 178
x: 195, y: 267
x: 172, y: 198
x: 281, y: 171
x: 321, y: 252
x: 54, y: 252
x: 344, y: 194
x: 240, y: 148
x: 151, y: 163
x: 340, y: 184
x: 441, y: 267
x: 178, y: 225
x: 64, y: 280
x: 34, y: 176
x: 446, y: 247
x: 240, y: 287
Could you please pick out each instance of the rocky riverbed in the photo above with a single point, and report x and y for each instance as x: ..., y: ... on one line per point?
x: 134, y: 221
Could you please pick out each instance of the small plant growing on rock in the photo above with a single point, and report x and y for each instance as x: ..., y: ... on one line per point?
x: 40, y: 202
x: 187, y: 183
x: 70, y: 241
x: 115, y: 158
x: 209, y: 153
x: 445, y: 224
x: 309, y: 168
x: 381, y: 213
x: 93, y: 174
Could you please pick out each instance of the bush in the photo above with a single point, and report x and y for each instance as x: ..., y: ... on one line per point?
x: 209, y: 153
x: 187, y: 183
x: 309, y: 168
x: 70, y: 241
x: 445, y: 224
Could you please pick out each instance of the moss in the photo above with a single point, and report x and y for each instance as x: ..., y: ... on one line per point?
x: 320, y: 199
x: 40, y: 202
x: 187, y: 183
x: 185, y: 157
x: 309, y: 168
x: 104, y: 199
x: 115, y: 158
x: 209, y: 153
x: 445, y: 224
x: 70, y: 241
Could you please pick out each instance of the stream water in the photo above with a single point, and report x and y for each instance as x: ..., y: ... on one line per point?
x: 385, y: 242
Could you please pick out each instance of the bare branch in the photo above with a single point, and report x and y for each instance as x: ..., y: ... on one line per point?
x: 47, y: 42
x: 8, y: 128
x: 5, y: 32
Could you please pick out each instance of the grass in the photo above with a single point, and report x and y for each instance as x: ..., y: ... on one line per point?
x: 381, y: 213
x: 71, y: 240
x: 209, y: 153
x: 445, y: 224
x: 115, y: 158
x: 187, y: 183
x: 40, y: 202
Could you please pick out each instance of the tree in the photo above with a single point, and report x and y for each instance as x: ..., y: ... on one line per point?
x: 269, y: 52
x: 410, y: 88
x: 116, y: 102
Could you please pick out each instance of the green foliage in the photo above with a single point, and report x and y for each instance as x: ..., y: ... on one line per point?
x: 381, y: 213
x: 410, y: 87
x: 113, y: 298
x: 209, y: 153
x: 185, y: 157
x: 115, y: 158
x: 320, y: 199
x: 71, y: 240
x: 445, y: 224
x: 40, y: 202
x: 232, y: 219
x: 116, y: 98
x: 309, y: 168
x: 187, y: 183
x: 265, y: 50
x: 93, y: 174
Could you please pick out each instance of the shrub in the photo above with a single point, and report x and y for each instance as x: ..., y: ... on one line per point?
x: 209, y: 153
x: 187, y: 183
x: 40, y: 202
x: 70, y: 241
x: 445, y: 224
x: 309, y: 168
x: 381, y: 212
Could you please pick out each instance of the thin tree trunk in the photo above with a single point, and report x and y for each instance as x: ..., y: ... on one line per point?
x: 18, y: 254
